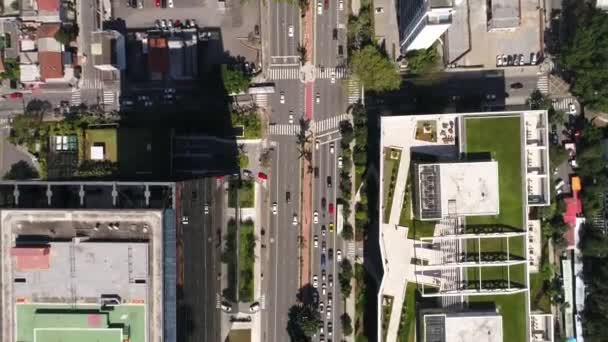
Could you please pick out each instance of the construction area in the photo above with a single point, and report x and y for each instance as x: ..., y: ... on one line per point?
x: 80, y: 275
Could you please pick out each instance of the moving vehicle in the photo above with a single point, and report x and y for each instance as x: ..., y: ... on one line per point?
x: 323, y: 261
x: 330, y: 254
x: 290, y: 31
x: 282, y: 97
x: 291, y: 117
x: 157, y: 3
x: 331, y: 208
x: 316, y: 241
x: 499, y: 60
x: 331, y: 148
x: 323, y: 246
x: 318, y: 98
x: 315, y: 284
x: 340, y: 5
x: 516, y: 85
x: 15, y: 96
x: 317, y: 144
x: 339, y: 255
x: 206, y: 209
x: 274, y: 208
x: 340, y: 162
x: 323, y: 230
x: 316, y: 170
x: 319, y: 8
x: 287, y: 196
x: 331, y: 227
x: 330, y: 279
x: 295, y: 220
x: 255, y: 307
x: 323, y: 289
x: 262, y: 176
x: 185, y: 219
x: 170, y: 3
x: 329, y: 181
x: 323, y: 202
x: 334, y: 34
x: 323, y: 275
x: 315, y: 217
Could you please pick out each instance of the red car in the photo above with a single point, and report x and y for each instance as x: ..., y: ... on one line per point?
x: 157, y: 3
x: 16, y: 95
x: 262, y: 176
x: 331, y: 208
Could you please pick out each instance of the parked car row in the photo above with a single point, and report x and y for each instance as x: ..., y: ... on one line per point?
x: 517, y: 59
x: 158, y: 3
x: 165, y: 24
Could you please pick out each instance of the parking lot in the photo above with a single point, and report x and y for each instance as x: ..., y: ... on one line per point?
x: 486, y: 45
x: 237, y: 20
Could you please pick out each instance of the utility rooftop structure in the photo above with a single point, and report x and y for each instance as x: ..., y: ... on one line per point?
x: 460, y: 188
x: 504, y: 15
x: 468, y: 327
x: 117, y: 268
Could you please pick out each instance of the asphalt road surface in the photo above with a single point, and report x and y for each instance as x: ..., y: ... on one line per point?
x: 328, y: 242
x: 284, y: 14
x: 281, y: 282
x: 198, y: 315
x: 294, y: 101
x: 332, y: 101
x: 326, y: 42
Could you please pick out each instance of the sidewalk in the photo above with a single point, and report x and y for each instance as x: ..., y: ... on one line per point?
x: 256, y: 324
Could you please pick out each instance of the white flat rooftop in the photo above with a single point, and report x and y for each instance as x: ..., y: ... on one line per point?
x: 473, y: 328
x: 461, y: 188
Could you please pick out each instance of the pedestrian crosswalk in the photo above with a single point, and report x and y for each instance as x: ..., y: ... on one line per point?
x: 330, y: 72
x: 330, y: 123
x: 261, y: 100
x: 76, y: 98
x: 354, y: 90
x: 562, y: 104
x: 543, y: 84
x: 350, y: 250
x: 218, y: 301
x: 278, y: 73
x: 283, y: 129
x: 108, y: 97
x: 88, y: 83
x: 263, y: 302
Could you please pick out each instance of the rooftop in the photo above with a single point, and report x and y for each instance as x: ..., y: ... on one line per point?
x: 505, y: 14
x: 462, y: 188
x: 48, y: 5
x: 51, y: 65
x: 467, y: 327
x: 82, y: 271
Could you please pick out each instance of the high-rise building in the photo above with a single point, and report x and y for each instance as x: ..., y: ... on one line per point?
x: 422, y: 22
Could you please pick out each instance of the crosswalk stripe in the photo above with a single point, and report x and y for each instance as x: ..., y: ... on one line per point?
x: 218, y: 302
x: 261, y: 100
x: 283, y: 129
x: 328, y: 72
x: 91, y: 84
x: 563, y: 103
x: 354, y: 90
x: 76, y: 98
x: 108, y: 97
x: 263, y: 302
x: 543, y: 84
x: 351, y: 250
x: 284, y: 73
x: 330, y: 123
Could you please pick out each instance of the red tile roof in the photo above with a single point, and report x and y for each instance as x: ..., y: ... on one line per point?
x: 158, y: 55
x: 51, y: 65
x: 31, y: 258
x: 48, y: 5
x: 574, y: 208
x: 48, y: 30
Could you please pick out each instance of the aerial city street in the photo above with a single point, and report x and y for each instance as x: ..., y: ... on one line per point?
x: 306, y: 171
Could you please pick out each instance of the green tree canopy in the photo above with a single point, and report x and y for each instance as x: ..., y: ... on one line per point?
x: 304, y: 321
x: 21, y: 170
x: 375, y: 70
x: 423, y: 60
x: 235, y: 80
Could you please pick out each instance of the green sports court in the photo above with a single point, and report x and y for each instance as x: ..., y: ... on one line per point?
x: 77, y: 323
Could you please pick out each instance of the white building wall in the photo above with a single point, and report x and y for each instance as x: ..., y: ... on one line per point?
x: 428, y: 36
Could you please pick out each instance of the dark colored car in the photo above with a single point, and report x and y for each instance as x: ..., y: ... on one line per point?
x: 516, y: 85
x: 340, y: 50
x: 288, y: 197
x: 329, y: 181
x: 323, y: 202
x: 335, y: 34
x: 331, y: 208
x: 316, y: 172
x: 326, y: 5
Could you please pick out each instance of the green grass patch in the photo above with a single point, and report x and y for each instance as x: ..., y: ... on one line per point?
x: 246, y: 258
x: 251, y: 123
x: 392, y: 157
x: 501, y: 137
x: 360, y: 301
x: 105, y: 137
x: 513, y: 311
x: 407, y: 325
x: 243, y: 161
x: 246, y: 194
x: 53, y: 318
x: 538, y: 293
x: 419, y: 229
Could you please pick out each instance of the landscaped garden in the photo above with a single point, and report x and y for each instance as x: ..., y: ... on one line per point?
x: 426, y: 130
x: 512, y: 308
x: 246, y: 258
x: 244, y: 191
x: 416, y: 228
x: 387, y: 307
x: 229, y: 258
x: 407, y: 324
x: 392, y: 157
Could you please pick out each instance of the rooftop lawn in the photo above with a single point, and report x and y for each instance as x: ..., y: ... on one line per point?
x: 501, y: 137
x: 392, y: 157
x: 407, y: 325
x: 101, y: 136
x: 513, y: 311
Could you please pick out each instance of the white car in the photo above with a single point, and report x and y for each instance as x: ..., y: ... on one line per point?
x: 323, y: 246
x: 319, y: 8
x: 315, y: 217
x: 340, y: 162
x: 291, y: 117
x: 295, y: 219
x: 330, y: 280
x: 255, y: 307
x: 499, y: 60
x: 318, y: 98
x: 274, y: 208
x: 339, y: 255
x: 226, y: 308
x: 170, y: 3
x: 330, y: 329
x: 323, y: 288
x: 329, y: 302
x: 571, y: 108
x: 290, y: 31
x: 321, y: 307
x: 317, y: 144
x: 185, y: 219
x: 341, y: 5
x: 328, y: 310
x: 282, y: 97
x: 315, y: 281
x: 323, y: 230
x: 323, y: 276
x: 333, y: 77
x: 331, y: 148
x: 316, y: 241
x: 206, y: 209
